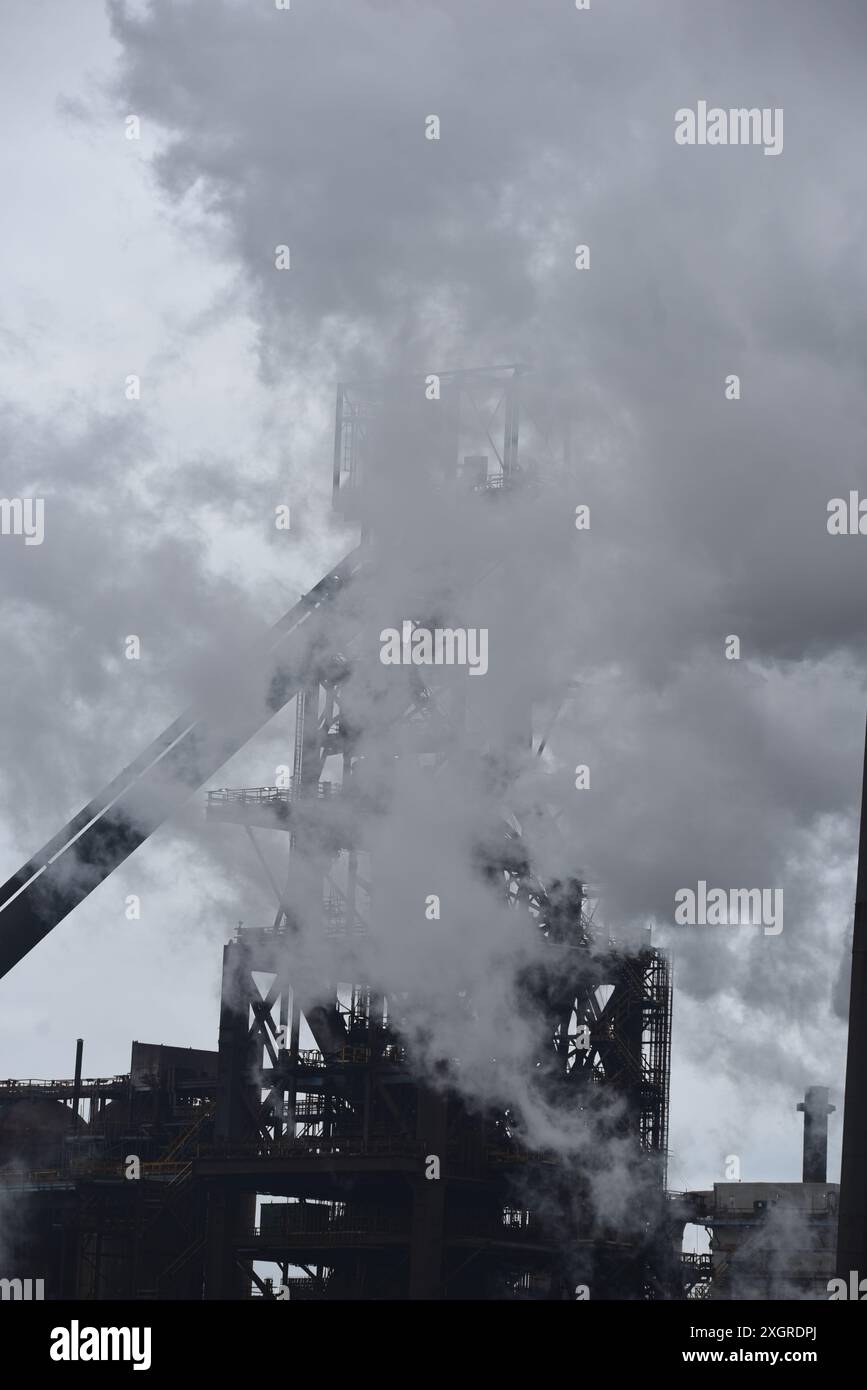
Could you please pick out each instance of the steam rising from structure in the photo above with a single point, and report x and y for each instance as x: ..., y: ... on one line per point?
x: 706, y: 516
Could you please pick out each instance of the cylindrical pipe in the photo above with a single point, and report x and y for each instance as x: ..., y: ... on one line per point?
x: 816, y: 1111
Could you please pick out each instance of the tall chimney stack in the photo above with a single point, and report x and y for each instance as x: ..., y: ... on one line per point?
x: 816, y: 1111
x: 76, y: 1085
x: 852, y: 1218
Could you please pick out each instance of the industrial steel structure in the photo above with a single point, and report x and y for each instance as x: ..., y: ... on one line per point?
x: 768, y: 1240
x: 391, y: 1186
x: 314, y: 1154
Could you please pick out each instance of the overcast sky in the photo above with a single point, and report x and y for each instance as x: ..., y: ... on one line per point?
x: 155, y: 257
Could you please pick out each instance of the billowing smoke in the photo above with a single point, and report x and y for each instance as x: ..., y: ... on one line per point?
x: 707, y: 515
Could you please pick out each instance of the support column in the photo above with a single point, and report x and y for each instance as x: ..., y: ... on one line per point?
x: 429, y: 1203
x: 237, y: 1102
x: 852, y: 1220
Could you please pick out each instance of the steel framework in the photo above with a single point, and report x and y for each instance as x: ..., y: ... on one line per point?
x: 383, y: 1180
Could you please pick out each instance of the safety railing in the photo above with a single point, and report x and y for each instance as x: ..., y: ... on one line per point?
x: 62, y: 1084
x: 300, y: 1219
x: 355, y: 1056
x: 83, y: 1171
x: 270, y: 796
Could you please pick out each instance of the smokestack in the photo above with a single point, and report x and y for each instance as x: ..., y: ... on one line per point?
x: 76, y: 1085
x: 852, y: 1219
x: 816, y: 1111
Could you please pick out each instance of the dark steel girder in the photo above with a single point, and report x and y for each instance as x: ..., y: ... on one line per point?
x: 122, y: 816
x: 852, y: 1217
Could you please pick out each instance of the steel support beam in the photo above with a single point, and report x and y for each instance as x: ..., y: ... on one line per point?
x: 852, y: 1220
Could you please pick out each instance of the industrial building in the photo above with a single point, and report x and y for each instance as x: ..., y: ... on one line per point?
x: 769, y: 1240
